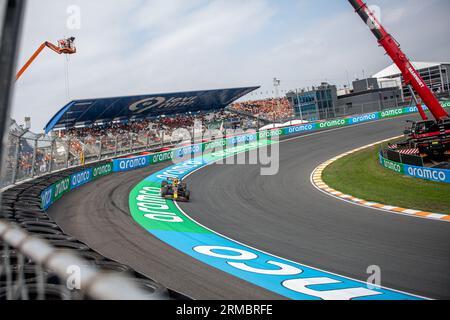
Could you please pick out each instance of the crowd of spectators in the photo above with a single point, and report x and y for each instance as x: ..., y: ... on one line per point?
x: 104, y: 138
x: 138, y: 132
x: 151, y: 127
x: 273, y: 109
x: 21, y: 162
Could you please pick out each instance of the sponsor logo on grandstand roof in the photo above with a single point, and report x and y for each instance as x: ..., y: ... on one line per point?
x: 160, y: 103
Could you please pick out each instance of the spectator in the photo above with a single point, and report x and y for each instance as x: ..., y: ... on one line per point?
x: 275, y: 110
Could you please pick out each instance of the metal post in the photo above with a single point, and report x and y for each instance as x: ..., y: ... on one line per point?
x: 33, y: 165
x: 299, y: 105
x: 116, y: 146
x: 131, y: 142
x: 163, y: 136
x: 52, y: 150
x: 100, y: 153
x: 16, y: 161
x: 68, y: 152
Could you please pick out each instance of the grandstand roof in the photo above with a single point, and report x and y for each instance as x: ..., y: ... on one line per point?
x: 82, y: 113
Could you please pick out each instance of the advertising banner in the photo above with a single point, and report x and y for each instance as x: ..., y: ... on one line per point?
x: 271, y: 133
x: 394, y: 113
x: 186, y: 151
x: 60, y: 188
x: 80, y: 178
x: 299, y: 129
x: 365, y: 118
x: 218, y: 144
x: 46, y: 198
x: 161, y: 157
x: 241, y: 139
x: 431, y: 174
x: 333, y: 123
x: 127, y: 164
x: 393, y: 166
x: 102, y: 170
x: 437, y: 175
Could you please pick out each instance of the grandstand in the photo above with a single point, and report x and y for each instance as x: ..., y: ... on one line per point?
x: 119, y: 110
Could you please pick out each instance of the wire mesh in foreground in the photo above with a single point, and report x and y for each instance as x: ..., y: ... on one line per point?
x: 32, y: 269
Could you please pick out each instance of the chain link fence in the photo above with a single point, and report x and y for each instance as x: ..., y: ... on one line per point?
x: 30, y: 155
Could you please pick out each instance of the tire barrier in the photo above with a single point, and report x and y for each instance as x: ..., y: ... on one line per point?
x: 25, y: 271
x: 21, y: 207
x: 431, y: 174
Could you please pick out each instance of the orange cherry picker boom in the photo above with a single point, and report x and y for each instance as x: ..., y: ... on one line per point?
x: 65, y: 46
x: 431, y: 137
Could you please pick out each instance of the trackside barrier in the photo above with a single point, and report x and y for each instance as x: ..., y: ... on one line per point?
x: 431, y: 174
x: 57, y: 190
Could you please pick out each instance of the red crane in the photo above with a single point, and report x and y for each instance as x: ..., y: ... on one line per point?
x: 65, y: 46
x: 431, y: 137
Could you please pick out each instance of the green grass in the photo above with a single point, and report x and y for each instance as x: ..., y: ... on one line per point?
x: 362, y: 176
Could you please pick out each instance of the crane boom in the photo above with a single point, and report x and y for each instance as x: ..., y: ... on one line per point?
x: 65, y: 47
x: 411, y: 77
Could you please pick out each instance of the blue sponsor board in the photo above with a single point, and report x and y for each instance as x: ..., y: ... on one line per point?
x: 80, y: 178
x: 242, y: 139
x: 187, y: 151
x: 437, y: 175
x: 127, y: 164
x: 364, y: 118
x: 301, y: 128
x: 414, y: 109
x: 47, y: 197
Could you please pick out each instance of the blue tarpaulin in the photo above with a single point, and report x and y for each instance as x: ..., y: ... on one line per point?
x: 81, y: 113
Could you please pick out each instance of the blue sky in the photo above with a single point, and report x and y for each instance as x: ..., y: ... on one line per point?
x: 130, y: 47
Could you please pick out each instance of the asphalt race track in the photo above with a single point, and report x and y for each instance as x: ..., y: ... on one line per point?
x: 282, y: 215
